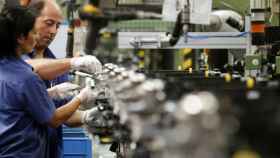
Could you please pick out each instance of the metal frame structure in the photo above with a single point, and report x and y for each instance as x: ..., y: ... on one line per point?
x: 195, y: 40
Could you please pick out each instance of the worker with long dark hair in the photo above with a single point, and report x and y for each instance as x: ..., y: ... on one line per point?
x: 26, y: 109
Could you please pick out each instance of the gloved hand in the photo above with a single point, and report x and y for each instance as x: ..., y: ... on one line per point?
x: 90, y: 117
x: 86, y: 63
x: 87, y: 95
x: 62, y: 91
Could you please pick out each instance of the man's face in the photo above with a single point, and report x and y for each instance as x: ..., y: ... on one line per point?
x: 47, y: 25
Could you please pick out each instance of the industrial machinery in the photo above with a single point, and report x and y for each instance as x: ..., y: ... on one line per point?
x: 184, y: 115
x: 200, y: 113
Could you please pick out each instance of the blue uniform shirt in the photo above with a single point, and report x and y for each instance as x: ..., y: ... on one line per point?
x: 55, y: 135
x: 25, y: 110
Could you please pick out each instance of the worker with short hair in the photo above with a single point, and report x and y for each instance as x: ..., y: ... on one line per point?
x: 55, y: 71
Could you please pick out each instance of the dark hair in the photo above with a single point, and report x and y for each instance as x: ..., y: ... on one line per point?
x: 14, y: 22
x: 11, y: 3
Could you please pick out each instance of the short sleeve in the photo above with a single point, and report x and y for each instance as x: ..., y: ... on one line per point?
x: 64, y: 77
x: 38, y: 102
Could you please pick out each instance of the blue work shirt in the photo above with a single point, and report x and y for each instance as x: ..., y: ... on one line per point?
x: 55, y: 135
x: 25, y: 110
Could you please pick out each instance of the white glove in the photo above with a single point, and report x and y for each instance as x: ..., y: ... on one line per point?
x: 90, y: 116
x: 86, y: 63
x: 87, y: 95
x: 62, y: 91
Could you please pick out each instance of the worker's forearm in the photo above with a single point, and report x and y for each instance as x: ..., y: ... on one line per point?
x: 49, y: 69
x: 75, y: 120
x: 63, y: 113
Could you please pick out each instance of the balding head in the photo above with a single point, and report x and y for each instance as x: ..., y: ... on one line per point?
x: 46, y: 7
x: 53, y: 7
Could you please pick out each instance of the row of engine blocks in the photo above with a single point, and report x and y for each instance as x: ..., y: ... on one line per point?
x: 183, y: 115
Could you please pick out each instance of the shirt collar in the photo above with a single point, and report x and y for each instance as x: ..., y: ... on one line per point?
x: 47, y: 53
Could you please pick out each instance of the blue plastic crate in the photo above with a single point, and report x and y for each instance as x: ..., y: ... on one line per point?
x: 77, y: 147
x: 73, y: 132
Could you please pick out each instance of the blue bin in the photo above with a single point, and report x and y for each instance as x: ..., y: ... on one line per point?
x: 73, y: 132
x: 77, y: 147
